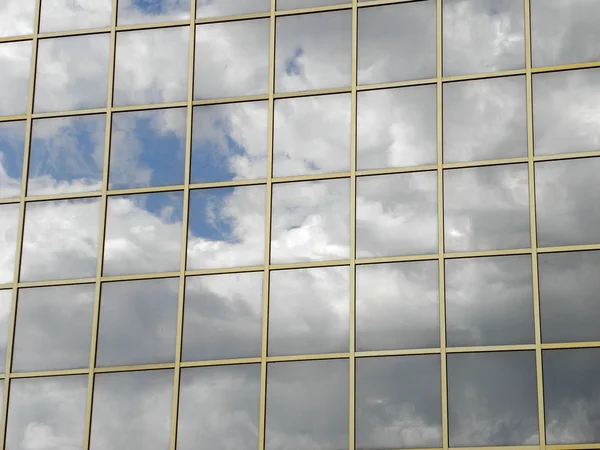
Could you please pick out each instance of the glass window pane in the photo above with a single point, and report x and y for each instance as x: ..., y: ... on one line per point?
x: 492, y: 399
x: 151, y: 66
x: 485, y: 119
x: 312, y: 135
x: 486, y: 208
x: 66, y: 155
x: 61, y: 15
x: 397, y: 306
x: 54, y: 328
x: 219, y: 407
x: 397, y: 127
x: 564, y: 32
x: 85, y: 60
x: 138, y: 322
x: 148, y: 148
x: 229, y: 142
x: 313, y: 51
x: 309, y: 311
x: 216, y: 8
x: 143, y: 233
x: 16, y: 17
x: 396, y: 215
x: 294, y: 4
x: 567, y: 211
x: 9, y: 224
x: 137, y: 12
x: 569, y: 287
x: 47, y: 413
x: 232, y: 59
x: 564, y: 105
x: 132, y: 410
x: 223, y: 316
x: 311, y: 221
x: 60, y: 239
x: 571, y: 393
x: 483, y: 36
x: 227, y: 227
x: 307, y: 405
x: 15, y: 60
x: 398, y: 402
x: 396, y: 42
x: 489, y: 301
x: 12, y: 143
x: 5, y: 309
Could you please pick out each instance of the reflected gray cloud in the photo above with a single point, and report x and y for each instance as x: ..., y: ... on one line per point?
x: 132, y: 12
x: 312, y: 135
x: 5, y: 308
x: 9, y: 224
x: 53, y: 328
x: 397, y: 306
x: 63, y: 15
x: 489, y: 301
x: 485, y: 119
x: 15, y: 60
x: 16, y: 17
x: 12, y: 143
x: 215, y: 8
x: 396, y: 215
x: 293, y: 4
x: 219, y: 408
x: 309, y: 311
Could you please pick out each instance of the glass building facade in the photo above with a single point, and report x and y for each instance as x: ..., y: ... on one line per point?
x: 299, y: 224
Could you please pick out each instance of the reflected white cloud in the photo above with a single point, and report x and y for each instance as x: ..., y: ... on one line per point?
x: 293, y: 4
x: 15, y: 60
x: 5, y: 308
x: 63, y: 15
x: 132, y: 12
x: 216, y: 8
x: 9, y: 224
x: 16, y: 17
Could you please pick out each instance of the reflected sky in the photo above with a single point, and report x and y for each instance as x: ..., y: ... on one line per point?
x: 15, y: 60
x: 9, y: 223
x: 62, y: 15
x: 5, y: 308
x: 148, y: 148
x: 132, y: 12
x: 12, y: 142
x: 215, y: 8
x: 293, y: 4
x: 16, y: 17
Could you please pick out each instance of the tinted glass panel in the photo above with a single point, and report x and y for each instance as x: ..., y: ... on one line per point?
x: 9, y: 224
x: 292, y: 4
x: 152, y: 11
x: 15, y: 60
x: 60, y: 15
x: 5, y: 308
x: 12, y: 142
x: 16, y: 17
x: 205, y: 9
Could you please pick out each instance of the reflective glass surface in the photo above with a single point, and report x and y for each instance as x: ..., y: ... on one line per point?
x: 152, y: 11
x: 138, y: 322
x: 313, y: 51
x: 147, y: 148
x: 15, y: 60
x: 12, y: 142
x: 5, y: 309
x: 216, y: 8
x: 312, y: 135
x: 223, y: 316
x: 227, y: 227
x: 229, y: 142
x: 396, y: 215
x: 54, y: 328
x: 486, y: 208
x: 62, y: 15
x: 232, y: 59
x: 9, y: 224
x: 293, y: 4
x: 309, y: 311
x: 16, y: 17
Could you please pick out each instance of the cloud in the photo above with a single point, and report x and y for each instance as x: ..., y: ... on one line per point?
x: 12, y: 142
x: 62, y: 15
x: 16, y: 17
x: 9, y: 224
x: 15, y: 59
x: 215, y: 8
x: 152, y: 11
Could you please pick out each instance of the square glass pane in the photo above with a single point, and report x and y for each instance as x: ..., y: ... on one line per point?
x: 571, y: 395
x: 138, y: 322
x: 564, y: 32
x: 397, y: 127
x: 564, y: 107
x: 54, y: 328
x: 567, y: 211
x: 489, y: 301
x: 5, y: 309
x: 227, y: 227
x: 397, y: 306
x: 12, y: 143
x: 61, y: 15
x: 485, y: 119
x: 492, y: 399
x: 398, y: 402
x: 72, y: 73
x: 147, y: 148
x: 15, y: 60
x: 47, y: 413
x: 232, y: 59
x: 396, y: 215
x: 312, y: 135
x: 219, y: 408
x: 60, y: 239
x: 143, y: 233
x: 309, y: 311
x: 297, y: 4
x: 483, y: 36
x: 9, y: 225
x: 216, y: 8
x: 310, y: 221
x: 486, y: 208
x: 66, y: 155
x: 151, y: 66
x: 313, y: 51
x: 229, y: 142
x: 397, y: 42
x: 132, y: 410
x: 131, y: 12
x: 223, y: 316
x: 307, y: 405
x: 569, y: 287
x: 16, y: 17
